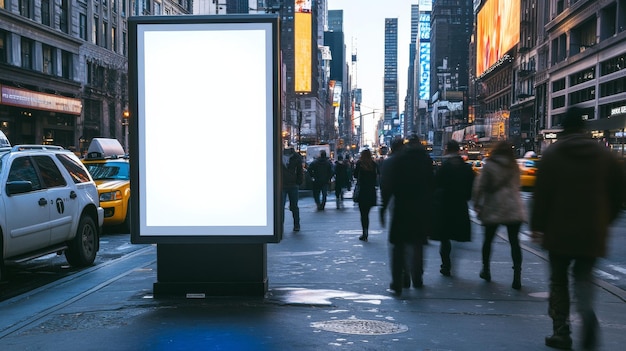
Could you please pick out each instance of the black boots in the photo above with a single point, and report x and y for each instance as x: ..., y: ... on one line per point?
x: 364, y: 236
x: 485, y: 273
x: 561, y: 338
x: 517, y: 278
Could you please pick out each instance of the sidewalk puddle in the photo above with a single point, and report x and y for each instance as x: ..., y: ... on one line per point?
x: 323, y: 297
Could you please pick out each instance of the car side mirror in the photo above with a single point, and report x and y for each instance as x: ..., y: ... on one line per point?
x: 19, y: 187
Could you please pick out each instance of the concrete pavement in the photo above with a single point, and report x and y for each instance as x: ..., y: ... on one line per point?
x: 327, y: 291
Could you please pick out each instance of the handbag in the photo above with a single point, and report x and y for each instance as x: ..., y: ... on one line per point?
x: 356, y: 192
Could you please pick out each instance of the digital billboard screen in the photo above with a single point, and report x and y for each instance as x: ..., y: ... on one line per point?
x: 497, y: 32
x: 205, y: 141
x: 302, y: 52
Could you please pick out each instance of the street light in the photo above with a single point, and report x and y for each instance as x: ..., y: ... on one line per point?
x: 125, y: 120
x: 361, y: 114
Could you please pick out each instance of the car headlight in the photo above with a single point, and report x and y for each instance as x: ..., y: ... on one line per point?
x: 110, y: 196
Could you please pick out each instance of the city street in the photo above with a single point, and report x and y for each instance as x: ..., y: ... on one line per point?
x: 327, y: 291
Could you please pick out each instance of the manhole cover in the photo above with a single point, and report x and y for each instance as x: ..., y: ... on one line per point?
x: 360, y: 327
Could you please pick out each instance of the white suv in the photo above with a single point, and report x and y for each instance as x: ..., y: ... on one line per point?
x: 48, y: 203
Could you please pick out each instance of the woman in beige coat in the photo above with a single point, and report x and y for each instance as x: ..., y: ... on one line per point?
x: 497, y: 201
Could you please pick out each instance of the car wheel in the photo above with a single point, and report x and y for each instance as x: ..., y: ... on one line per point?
x: 82, y: 249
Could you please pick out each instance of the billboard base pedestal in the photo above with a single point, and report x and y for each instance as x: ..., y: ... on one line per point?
x: 200, y: 270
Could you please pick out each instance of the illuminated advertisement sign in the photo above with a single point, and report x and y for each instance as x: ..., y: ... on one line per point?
x: 424, y: 26
x: 424, y: 85
x: 302, y: 52
x: 425, y: 5
x: 497, y: 32
x: 183, y: 71
x: 40, y: 101
x: 302, y: 6
x: 424, y: 52
x: 337, y: 94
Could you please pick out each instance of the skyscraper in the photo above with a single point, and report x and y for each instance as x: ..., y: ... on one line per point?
x: 390, y: 85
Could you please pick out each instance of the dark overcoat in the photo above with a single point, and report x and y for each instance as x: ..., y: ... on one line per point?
x: 408, y: 179
x: 367, y: 180
x: 579, y: 191
x: 453, y: 189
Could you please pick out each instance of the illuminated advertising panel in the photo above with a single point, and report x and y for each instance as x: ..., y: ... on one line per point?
x: 302, y: 6
x: 337, y: 94
x: 424, y: 53
x: 39, y: 101
x: 424, y: 85
x: 425, y: 5
x: 497, y: 32
x: 302, y: 52
x: 183, y: 71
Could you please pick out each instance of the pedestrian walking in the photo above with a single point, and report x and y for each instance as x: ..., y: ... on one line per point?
x: 341, y: 180
x: 497, y: 201
x: 366, y: 172
x: 572, y: 209
x: 453, y: 189
x: 292, y: 177
x: 321, y: 170
x: 408, y: 179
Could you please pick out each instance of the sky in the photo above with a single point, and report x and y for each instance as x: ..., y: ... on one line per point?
x: 364, y: 30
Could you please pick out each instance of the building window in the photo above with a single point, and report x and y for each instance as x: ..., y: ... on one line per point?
x: 157, y: 8
x: 82, y: 26
x: 558, y: 85
x: 114, y: 5
x: 123, y: 9
x: 114, y: 39
x: 27, y: 53
x: 64, y: 18
x: 558, y: 101
x: 26, y: 8
x: 48, y: 59
x: 582, y: 76
x: 45, y: 12
x: 613, y: 87
x: 613, y: 65
x: 582, y: 95
x: 66, y: 65
x: 95, y: 38
x: 3, y: 47
x: 104, y: 43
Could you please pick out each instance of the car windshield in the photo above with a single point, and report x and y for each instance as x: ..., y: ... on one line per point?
x: 109, y: 170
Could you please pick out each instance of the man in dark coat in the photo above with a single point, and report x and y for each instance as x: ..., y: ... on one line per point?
x: 454, y: 181
x: 408, y: 179
x: 321, y: 171
x: 341, y: 180
x: 578, y: 193
x: 292, y: 175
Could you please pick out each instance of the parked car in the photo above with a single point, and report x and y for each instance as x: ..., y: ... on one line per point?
x: 109, y: 166
x: 528, y: 171
x: 48, y: 204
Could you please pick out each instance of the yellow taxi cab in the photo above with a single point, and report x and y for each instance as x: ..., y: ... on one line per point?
x: 528, y: 170
x: 110, y: 169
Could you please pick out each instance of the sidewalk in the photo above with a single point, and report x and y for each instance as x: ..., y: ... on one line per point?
x: 327, y: 291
